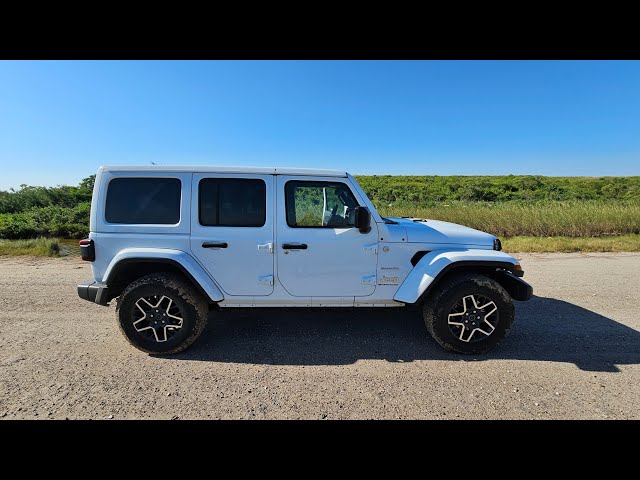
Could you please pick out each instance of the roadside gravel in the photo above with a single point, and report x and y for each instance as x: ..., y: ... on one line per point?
x: 573, y: 352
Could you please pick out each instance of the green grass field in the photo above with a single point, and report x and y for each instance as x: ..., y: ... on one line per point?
x: 540, y: 219
x: 529, y: 212
x: 621, y: 243
x: 38, y: 247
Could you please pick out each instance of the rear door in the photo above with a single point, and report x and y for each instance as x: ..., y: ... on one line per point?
x: 232, y: 230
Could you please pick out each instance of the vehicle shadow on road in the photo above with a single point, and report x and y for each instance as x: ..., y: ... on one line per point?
x: 546, y: 329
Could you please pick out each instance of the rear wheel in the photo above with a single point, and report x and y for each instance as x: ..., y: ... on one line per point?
x: 161, y: 313
x: 468, y: 313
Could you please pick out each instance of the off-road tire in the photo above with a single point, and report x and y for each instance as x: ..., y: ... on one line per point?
x: 193, y: 307
x: 441, y: 300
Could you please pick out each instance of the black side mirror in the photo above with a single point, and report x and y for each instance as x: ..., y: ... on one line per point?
x: 363, y: 219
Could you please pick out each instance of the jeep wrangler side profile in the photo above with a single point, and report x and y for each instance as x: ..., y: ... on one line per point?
x: 170, y: 243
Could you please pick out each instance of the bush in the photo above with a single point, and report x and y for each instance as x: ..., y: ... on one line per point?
x: 51, y: 221
x: 27, y: 198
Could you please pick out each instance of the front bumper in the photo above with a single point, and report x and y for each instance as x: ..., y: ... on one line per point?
x: 517, y: 288
x: 94, y: 292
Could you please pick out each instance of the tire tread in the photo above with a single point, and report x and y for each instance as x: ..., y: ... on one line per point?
x: 186, y: 291
x: 444, y: 289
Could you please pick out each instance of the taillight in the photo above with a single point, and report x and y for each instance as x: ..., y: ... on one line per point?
x: 87, y: 250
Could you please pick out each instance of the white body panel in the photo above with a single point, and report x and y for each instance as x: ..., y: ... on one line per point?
x: 433, y: 263
x: 336, y: 262
x: 241, y: 269
x: 183, y: 258
x: 436, y: 231
x: 340, y: 267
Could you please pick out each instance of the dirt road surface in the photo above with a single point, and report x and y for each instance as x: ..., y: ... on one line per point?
x: 573, y: 352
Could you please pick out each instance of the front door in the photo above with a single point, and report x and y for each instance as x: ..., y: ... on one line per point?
x: 232, y: 225
x: 319, y: 251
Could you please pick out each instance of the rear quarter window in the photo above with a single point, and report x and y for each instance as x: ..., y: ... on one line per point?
x: 143, y: 201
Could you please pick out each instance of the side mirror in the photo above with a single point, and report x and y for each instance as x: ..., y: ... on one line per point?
x: 363, y: 219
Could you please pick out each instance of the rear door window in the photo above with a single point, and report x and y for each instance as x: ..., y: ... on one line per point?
x: 232, y: 202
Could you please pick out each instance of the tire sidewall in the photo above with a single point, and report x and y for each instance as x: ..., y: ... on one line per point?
x: 125, y: 318
x: 451, y: 296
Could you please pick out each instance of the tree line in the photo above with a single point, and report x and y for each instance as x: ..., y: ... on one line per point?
x: 63, y: 211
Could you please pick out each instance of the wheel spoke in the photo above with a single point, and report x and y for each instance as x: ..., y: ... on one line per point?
x: 169, y: 305
x: 164, y: 333
x: 462, y: 335
x: 475, y: 303
x: 141, y: 309
x: 468, y: 316
x: 486, y: 305
x: 153, y: 330
x: 171, y: 328
x: 464, y: 302
x: 492, y: 310
x: 159, y: 304
x: 147, y: 302
x: 480, y: 330
x: 491, y: 326
x: 138, y: 321
x: 162, y: 317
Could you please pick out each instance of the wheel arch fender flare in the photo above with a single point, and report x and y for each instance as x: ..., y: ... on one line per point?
x: 433, y: 266
x: 177, y: 258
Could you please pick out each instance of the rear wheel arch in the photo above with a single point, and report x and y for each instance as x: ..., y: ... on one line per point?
x: 128, y: 270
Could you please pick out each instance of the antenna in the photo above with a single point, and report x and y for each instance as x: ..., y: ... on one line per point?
x: 153, y: 163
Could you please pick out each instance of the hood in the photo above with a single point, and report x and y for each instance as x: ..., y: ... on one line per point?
x: 435, y: 231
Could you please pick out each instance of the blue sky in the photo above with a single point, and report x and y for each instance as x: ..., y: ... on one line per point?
x: 59, y: 121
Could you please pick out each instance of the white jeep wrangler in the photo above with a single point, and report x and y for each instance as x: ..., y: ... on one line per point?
x: 170, y: 243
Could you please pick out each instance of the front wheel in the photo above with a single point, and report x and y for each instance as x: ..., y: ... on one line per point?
x: 161, y: 313
x: 468, y: 313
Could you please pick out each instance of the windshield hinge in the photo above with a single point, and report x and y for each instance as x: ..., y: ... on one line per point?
x: 373, y: 248
x: 266, y: 246
x: 369, y: 279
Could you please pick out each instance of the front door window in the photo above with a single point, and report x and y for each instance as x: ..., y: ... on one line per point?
x: 319, y: 205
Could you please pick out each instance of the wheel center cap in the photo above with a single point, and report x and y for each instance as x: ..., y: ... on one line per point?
x: 472, y: 317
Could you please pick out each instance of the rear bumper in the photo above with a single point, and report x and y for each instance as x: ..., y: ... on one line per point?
x: 94, y: 292
x: 517, y: 288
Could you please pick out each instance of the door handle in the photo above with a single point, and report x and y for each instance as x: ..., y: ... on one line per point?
x: 294, y: 246
x: 215, y: 245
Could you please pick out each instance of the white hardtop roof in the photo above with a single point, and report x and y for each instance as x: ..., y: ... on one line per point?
x: 317, y: 172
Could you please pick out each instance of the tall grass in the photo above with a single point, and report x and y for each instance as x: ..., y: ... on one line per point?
x: 39, y: 247
x: 543, y: 219
x: 621, y: 243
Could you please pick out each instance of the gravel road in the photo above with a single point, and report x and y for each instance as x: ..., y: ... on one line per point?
x: 573, y: 352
